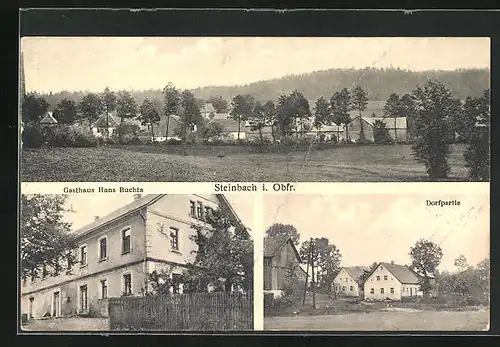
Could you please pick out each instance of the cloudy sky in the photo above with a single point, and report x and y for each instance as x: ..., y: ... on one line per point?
x: 90, y: 63
x: 368, y: 228
x: 86, y: 206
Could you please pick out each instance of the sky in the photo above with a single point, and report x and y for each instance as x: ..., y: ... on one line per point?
x: 382, y: 228
x: 54, y: 64
x: 86, y: 206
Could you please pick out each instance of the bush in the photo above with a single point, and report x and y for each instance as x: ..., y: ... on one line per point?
x: 32, y: 136
x: 131, y: 139
x: 71, y: 136
x: 173, y: 142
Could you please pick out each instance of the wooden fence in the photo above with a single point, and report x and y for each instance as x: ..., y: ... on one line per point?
x: 217, y: 311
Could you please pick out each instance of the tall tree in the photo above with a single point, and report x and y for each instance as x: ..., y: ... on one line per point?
x: 461, y: 262
x: 434, y: 109
x: 301, y: 110
x: 241, y: 109
x: 172, y: 100
x: 359, y: 102
x: 269, y: 111
x: 149, y: 116
x: 66, y: 112
x: 322, y: 114
x: 426, y: 256
x: 220, y: 105
x: 45, y: 238
x: 477, y: 124
x: 224, y: 251
x: 91, y: 107
x: 109, y: 102
x: 325, y: 259
x: 279, y: 229
x: 392, y: 109
x: 258, y: 119
x: 407, y: 109
x: 341, y: 106
x: 126, y: 108
x: 33, y: 108
x: 191, y: 115
x: 284, y: 115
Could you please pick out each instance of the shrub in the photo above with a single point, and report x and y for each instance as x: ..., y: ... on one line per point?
x: 131, y: 139
x: 32, y: 136
x: 173, y: 142
x: 72, y: 136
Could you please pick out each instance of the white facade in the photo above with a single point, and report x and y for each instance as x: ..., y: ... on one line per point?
x: 344, y: 284
x: 382, y: 284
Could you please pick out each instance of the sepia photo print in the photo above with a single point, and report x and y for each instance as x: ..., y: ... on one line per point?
x: 369, y: 262
x: 253, y: 109
x: 123, y: 262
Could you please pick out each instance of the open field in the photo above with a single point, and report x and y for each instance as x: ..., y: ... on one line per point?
x: 397, y: 320
x: 67, y: 324
x: 238, y: 163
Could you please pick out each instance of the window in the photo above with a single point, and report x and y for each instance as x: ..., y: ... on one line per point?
x: 346, y: 279
x: 192, y: 208
x: 103, y: 248
x: 381, y: 290
x: 267, y: 261
x: 207, y: 211
x: 392, y: 290
x: 385, y: 278
x: 104, y: 289
x: 343, y: 288
x: 126, y: 241
x: 378, y: 278
x: 83, y: 255
x: 44, y: 272
x: 199, y: 210
x: 69, y: 262
x: 83, y: 298
x: 127, y: 284
x: 381, y: 267
x: 351, y: 288
x: 176, y: 283
x: 372, y: 291
x: 174, y: 239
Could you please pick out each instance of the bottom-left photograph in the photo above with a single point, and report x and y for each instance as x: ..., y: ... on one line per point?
x: 120, y: 262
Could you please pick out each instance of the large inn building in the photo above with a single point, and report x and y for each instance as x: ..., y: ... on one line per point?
x: 115, y: 253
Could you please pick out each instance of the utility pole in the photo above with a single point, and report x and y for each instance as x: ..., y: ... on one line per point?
x: 312, y: 275
x: 307, y: 273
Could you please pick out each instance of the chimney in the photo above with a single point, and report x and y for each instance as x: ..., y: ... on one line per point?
x: 96, y: 217
x: 392, y: 262
x: 137, y: 196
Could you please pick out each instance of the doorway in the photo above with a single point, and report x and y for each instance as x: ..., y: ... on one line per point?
x: 30, y: 308
x: 83, y: 299
x: 56, y: 304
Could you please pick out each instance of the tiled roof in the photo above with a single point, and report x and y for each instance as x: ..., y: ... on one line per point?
x: 208, y: 108
x: 230, y: 125
x: 402, y: 273
x: 272, y: 244
x: 389, y: 122
x: 356, y: 271
x: 133, y: 206
x: 221, y: 116
x: 112, y: 120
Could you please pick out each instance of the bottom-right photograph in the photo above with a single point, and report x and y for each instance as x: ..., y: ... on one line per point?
x: 379, y: 262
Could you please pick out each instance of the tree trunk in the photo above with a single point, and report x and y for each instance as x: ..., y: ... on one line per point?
x: 120, y: 131
x: 152, y: 133
x: 261, y: 137
x: 168, y: 123
x: 395, y: 132
x: 239, y: 125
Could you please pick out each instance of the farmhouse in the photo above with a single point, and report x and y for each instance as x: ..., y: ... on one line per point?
x: 328, y: 132
x: 117, y: 250
x: 48, y: 120
x: 208, y: 110
x: 391, y: 281
x: 281, y: 264
x: 172, y: 124
x: 229, y: 125
x: 396, y: 127
x: 111, y: 122
x: 349, y: 281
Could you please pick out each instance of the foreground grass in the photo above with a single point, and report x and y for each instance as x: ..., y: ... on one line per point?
x: 385, y: 321
x: 67, y: 324
x: 231, y: 164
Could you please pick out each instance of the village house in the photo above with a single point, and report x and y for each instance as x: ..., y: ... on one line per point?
x: 281, y: 264
x: 107, y: 125
x: 48, y: 120
x: 398, y: 132
x: 172, y: 124
x: 229, y: 125
x: 116, y: 251
x: 208, y: 110
x: 349, y: 281
x: 392, y: 281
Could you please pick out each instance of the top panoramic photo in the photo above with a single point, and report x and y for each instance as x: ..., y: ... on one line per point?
x: 254, y: 109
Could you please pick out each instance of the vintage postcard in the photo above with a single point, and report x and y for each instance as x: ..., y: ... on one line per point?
x: 123, y: 262
x: 376, y: 262
x: 254, y: 109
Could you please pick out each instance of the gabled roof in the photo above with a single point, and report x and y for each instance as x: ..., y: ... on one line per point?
x: 48, y: 119
x: 389, y: 122
x: 221, y: 116
x: 122, y: 211
x: 112, y: 120
x: 272, y: 244
x: 401, y: 272
x: 355, y: 272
